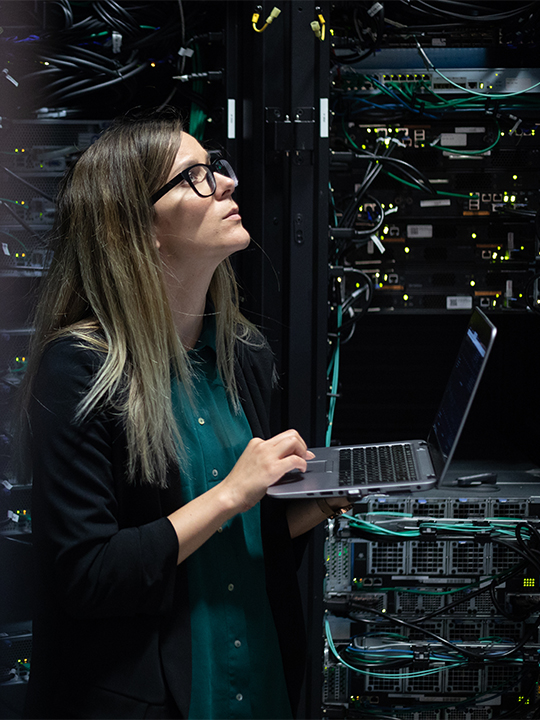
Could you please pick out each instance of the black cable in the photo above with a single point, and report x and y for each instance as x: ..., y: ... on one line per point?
x: 109, y: 83
x: 431, y: 10
x: 24, y: 224
x: 32, y: 187
x: 122, y: 11
x: 77, y: 49
x: 82, y: 63
x: 405, y: 623
x: 371, y: 173
x: 109, y: 20
x: 470, y: 595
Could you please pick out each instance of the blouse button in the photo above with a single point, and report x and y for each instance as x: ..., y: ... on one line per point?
x: 230, y: 587
x: 201, y: 421
x: 239, y: 697
x: 237, y: 643
x: 215, y: 472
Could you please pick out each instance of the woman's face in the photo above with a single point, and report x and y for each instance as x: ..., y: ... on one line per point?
x: 195, y: 229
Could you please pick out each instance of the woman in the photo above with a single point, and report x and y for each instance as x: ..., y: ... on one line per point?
x: 165, y: 578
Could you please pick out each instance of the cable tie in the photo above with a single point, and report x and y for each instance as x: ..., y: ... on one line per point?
x: 374, y: 9
x: 378, y: 243
x: 10, y: 78
x: 116, y: 41
x: 515, y: 127
x: 397, y: 141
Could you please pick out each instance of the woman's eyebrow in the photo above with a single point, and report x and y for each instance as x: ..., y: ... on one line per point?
x: 193, y: 161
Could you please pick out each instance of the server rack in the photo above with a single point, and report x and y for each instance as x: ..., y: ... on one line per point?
x: 287, y: 124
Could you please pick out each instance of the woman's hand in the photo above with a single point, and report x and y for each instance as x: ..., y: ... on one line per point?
x: 261, y: 464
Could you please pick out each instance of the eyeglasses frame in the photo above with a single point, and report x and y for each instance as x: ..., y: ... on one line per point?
x: 184, y: 175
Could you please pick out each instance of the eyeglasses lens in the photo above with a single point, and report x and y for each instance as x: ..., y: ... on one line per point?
x: 201, y: 177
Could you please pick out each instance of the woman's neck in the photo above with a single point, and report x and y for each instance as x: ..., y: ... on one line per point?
x: 187, y: 300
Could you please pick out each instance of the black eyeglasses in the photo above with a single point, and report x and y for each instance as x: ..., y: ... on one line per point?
x: 200, y: 177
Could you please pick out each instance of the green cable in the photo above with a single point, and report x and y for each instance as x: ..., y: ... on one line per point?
x: 388, y: 676
x: 457, y: 151
x: 418, y: 187
x: 335, y: 379
x: 5, y: 232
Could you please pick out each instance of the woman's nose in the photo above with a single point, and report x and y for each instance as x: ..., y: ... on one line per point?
x: 224, y: 184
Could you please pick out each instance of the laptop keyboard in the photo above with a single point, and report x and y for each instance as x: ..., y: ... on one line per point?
x: 376, y: 464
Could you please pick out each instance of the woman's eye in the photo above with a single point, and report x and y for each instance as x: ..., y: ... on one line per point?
x: 197, y: 175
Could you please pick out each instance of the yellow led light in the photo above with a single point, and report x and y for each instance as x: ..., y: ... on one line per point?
x: 514, y: 177
x: 407, y: 250
x: 405, y: 297
x: 473, y: 235
x: 472, y: 283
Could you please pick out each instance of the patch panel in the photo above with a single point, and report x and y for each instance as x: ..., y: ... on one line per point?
x: 15, y: 653
x: 450, y: 687
x: 455, y: 502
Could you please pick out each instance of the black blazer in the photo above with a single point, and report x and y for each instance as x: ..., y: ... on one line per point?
x: 111, y: 630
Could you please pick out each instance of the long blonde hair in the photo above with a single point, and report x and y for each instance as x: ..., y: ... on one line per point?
x: 105, y: 287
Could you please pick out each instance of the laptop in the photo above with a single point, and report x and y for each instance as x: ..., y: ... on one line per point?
x: 410, y: 465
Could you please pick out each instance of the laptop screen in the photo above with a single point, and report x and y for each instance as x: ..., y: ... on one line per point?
x: 461, y: 387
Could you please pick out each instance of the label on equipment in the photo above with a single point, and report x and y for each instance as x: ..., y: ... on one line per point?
x: 419, y: 231
x: 231, y: 118
x: 435, y: 203
x: 454, y: 139
x: 459, y: 302
x: 470, y: 130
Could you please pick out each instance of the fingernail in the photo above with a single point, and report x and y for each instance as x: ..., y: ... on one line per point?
x: 310, y: 455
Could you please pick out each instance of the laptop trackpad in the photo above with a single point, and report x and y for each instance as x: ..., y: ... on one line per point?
x: 319, y: 466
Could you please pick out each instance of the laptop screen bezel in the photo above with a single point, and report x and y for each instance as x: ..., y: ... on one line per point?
x: 486, y: 332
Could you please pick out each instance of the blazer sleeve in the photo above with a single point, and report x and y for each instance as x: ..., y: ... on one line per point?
x: 93, y: 565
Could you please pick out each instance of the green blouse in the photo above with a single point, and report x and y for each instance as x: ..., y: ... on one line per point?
x: 237, y: 669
